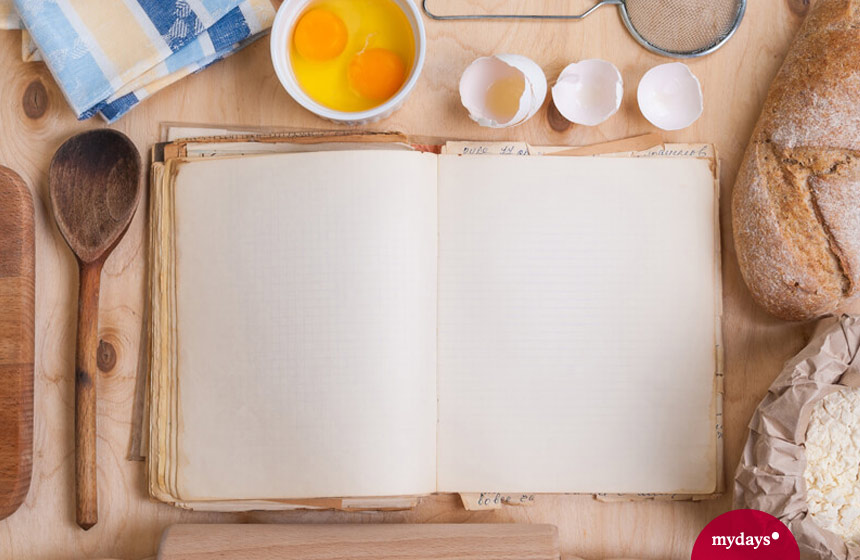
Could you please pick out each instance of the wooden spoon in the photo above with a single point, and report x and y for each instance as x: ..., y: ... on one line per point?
x: 95, y: 190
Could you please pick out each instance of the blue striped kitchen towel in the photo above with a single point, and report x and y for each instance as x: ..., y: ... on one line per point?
x: 108, y: 55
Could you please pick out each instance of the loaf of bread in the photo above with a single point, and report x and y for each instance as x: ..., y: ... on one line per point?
x: 796, y: 202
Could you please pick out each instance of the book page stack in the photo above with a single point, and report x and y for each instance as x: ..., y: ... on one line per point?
x: 349, y: 321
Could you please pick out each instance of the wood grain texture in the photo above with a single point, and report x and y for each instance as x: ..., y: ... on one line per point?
x: 381, y: 542
x: 86, y: 412
x: 244, y: 90
x: 17, y: 320
x: 95, y: 190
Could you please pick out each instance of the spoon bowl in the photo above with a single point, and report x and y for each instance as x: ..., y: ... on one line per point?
x: 95, y: 190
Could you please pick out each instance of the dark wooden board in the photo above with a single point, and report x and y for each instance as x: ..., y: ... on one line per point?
x: 17, y: 313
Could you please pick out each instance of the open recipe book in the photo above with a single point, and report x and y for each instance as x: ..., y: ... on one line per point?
x: 371, y: 323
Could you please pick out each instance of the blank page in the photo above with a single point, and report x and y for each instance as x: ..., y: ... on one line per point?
x: 576, y: 325
x: 306, y: 305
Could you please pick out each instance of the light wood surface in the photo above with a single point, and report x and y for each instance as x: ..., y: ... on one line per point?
x: 17, y: 319
x: 499, y: 541
x: 244, y: 90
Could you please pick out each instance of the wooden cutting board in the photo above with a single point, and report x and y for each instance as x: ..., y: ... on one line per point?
x: 359, y: 541
x: 17, y: 302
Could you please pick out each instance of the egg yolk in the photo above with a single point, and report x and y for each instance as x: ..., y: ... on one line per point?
x: 320, y: 35
x: 377, y: 73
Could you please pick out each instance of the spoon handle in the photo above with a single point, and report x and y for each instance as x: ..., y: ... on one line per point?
x: 85, y: 395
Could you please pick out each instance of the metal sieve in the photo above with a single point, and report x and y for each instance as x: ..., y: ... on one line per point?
x: 674, y: 28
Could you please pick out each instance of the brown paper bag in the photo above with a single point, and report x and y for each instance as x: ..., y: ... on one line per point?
x: 770, y: 475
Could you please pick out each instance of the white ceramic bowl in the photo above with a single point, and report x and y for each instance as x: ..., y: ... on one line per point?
x: 282, y: 28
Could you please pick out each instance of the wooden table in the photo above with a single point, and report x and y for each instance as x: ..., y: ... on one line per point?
x: 244, y: 90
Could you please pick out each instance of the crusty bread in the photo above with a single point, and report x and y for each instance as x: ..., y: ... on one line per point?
x: 796, y: 202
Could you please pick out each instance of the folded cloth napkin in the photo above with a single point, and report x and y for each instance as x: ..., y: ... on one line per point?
x: 108, y: 55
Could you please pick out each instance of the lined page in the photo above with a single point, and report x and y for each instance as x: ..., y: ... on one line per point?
x: 306, y: 302
x: 576, y: 325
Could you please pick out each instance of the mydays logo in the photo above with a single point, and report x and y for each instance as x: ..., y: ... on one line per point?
x: 743, y: 540
x: 746, y: 534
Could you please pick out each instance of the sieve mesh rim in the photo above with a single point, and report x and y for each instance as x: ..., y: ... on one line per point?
x: 719, y: 40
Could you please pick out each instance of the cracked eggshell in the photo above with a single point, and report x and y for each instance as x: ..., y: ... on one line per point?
x: 486, y: 71
x: 588, y: 92
x: 670, y: 96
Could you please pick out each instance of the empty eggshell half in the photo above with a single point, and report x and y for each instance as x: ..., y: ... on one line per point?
x: 670, y: 96
x: 588, y: 92
x: 502, y: 90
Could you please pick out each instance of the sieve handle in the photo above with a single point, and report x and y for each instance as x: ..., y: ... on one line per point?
x: 432, y: 15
